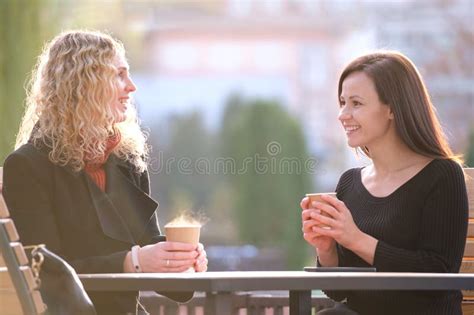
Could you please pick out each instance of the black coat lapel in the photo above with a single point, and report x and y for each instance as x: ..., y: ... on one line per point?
x: 125, y: 210
x: 134, y: 205
x: 110, y: 220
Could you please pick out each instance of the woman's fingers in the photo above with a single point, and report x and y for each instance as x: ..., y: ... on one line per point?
x: 173, y: 264
x: 310, y: 236
x: 175, y: 257
x: 328, y: 209
x: 179, y: 255
x: 339, y: 205
x: 201, y: 260
x: 314, y: 237
x: 308, y: 225
x: 202, y: 254
x: 306, y: 214
x: 202, y: 257
x: 177, y: 269
x: 324, y: 220
x: 321, y: 231
x: 200, y: 248
x: 176, y: 246
x: 201, y: 264
x: 304, y: 204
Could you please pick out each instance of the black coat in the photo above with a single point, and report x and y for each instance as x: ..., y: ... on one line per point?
x: 93, y: 230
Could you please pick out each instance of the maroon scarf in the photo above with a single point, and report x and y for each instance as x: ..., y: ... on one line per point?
x: 96, y: 170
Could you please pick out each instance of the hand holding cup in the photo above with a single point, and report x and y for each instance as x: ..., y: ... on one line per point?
x: 317, y: 197
x: 321, y: 243
x: 188, y: 233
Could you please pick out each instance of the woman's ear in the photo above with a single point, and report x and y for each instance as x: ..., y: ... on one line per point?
x: 390, y: 113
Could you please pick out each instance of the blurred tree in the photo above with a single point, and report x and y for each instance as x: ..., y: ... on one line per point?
x: 180, y: 165
x: 24, y: 24
x: 470, y: 150
x: 270, y: 175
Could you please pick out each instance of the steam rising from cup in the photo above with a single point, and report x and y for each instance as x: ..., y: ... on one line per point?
x: 184, y: 228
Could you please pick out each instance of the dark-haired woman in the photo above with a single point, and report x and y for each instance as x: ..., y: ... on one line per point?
x: 407, y: 210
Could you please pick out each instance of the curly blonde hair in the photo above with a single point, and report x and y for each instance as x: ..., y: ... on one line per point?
x: 68, y: 103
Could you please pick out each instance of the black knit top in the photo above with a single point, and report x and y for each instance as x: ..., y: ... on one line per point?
x: 420, y: 227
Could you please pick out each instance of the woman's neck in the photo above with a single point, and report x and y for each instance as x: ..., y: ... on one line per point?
x: 394, y: 157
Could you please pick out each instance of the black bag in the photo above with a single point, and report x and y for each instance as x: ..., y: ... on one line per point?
x: 59, y: 285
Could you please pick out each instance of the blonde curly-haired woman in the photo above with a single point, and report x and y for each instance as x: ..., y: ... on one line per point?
x: 78, y: 179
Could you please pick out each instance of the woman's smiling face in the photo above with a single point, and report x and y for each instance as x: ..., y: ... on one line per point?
x: 366, y: 120
x: 124, y: 87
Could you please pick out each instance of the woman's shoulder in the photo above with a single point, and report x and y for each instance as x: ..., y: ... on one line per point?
x: 27, y: 154
x: 347, y: 179
x: 28, y: 150
x: 349, y: 174
x: 439, y: 174
x: 445, y: 168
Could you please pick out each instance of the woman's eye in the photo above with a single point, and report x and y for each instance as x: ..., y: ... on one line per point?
x: 357, y: 103
x: 342, y: 103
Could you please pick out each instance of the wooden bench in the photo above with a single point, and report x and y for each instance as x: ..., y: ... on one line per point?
x: 18, y: 289
x: 467, y: 265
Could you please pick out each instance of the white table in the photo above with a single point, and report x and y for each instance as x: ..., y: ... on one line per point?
x: 298, y: 283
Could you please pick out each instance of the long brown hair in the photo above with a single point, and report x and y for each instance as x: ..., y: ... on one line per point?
x: 400, y: 86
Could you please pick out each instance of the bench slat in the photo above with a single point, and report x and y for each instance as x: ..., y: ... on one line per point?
x: 40, y: 306
x: 10, y: 305
x: 470, y: 228
x: 3, y: 208
x: 469, y: 249
x: 468, y: 308
x: 19, y: 254
x: 467, y: 265
x: 9, y: 299
x: 11, y: 230
x: 469, y: 175
x: 6, y: 282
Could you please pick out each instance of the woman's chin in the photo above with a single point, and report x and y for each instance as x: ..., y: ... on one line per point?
x: 119, y: 118
x: 352, y: 144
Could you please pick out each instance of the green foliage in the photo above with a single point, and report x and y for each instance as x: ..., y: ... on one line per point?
x: 181, y: 167
x: 22, y: 30
x: 262, y: 138
x: 470, y: 150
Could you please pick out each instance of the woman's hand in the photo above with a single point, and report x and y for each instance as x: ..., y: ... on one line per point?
x: 169, y: 257
x: 343, y: 229
x: 341, y: 226
x: 320, y: 242
x: 201, y: 260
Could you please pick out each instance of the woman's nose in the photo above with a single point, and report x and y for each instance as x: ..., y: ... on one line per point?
x: 344, y: 114
x: 131, y: 87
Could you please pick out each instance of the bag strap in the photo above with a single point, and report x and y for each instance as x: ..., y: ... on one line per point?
x: 37, y: 259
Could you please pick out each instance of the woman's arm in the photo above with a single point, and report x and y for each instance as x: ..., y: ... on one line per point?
x: 28, y: 191
x: 442, y: 233
x: 443, y: 229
